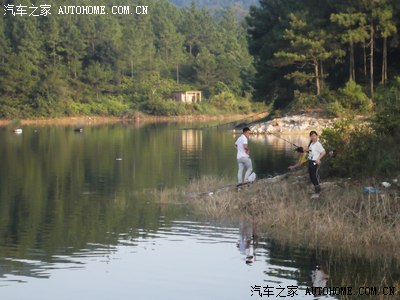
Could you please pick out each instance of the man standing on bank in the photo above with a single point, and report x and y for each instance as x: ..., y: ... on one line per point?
x: 243, y: 156
x: 315, y: 153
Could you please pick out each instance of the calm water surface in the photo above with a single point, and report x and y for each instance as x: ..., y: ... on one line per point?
x: 78, y: 220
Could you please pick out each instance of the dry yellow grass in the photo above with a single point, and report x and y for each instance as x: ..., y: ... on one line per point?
x: 343, y: 217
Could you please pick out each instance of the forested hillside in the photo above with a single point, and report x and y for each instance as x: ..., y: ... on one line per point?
x: 341, y: 57
x: 215, y: 3
x: 112, y: 64
x: 312, y: 47
x: 239, y: 7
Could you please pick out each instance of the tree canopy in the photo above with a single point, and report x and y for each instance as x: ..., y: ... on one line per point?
x: 315, y: 46
x: 106, y: 64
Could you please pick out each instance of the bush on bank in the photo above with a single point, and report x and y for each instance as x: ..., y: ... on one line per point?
x: 371, y: 149
x: 225, y: 102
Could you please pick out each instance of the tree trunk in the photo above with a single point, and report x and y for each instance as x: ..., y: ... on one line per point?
x: 177, y: 73
x: 317, y: 84
x: 352, y: 73
x: 322, y: 81
x: 75, y: 71
x: 384, y: 61
x: 54, y: 53
x: 131, y: 62
x: 322, y: 71
x: 365, y: 59
x: 372, y: 61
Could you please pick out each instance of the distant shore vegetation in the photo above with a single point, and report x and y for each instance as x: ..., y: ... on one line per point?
x: 337, y: 57
x: 68, y: 65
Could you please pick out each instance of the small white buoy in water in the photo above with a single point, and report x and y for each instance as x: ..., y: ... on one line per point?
x: 386, y: 184
x: 18, y: 130
x: 118, y: 158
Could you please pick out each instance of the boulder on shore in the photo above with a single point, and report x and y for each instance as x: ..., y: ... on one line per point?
x: 292, y: 124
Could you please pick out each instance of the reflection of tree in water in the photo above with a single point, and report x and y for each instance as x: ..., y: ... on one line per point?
x: 61, y: 191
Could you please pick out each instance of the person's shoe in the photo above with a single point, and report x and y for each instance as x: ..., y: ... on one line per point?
x: 315, y: 196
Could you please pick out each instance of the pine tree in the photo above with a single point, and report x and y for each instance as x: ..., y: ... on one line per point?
x: 307, y: 48
x: 355, y: 32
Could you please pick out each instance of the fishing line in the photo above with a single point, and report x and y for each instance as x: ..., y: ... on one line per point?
x: 283, y: 139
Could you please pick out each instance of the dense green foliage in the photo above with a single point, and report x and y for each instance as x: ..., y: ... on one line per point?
x: 240, y: 8
x: 314, y: 47
x: 113, y: 64
x: 220, y: 4
x: 372, y: 148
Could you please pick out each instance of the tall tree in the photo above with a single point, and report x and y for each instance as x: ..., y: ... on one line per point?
x: 355, y: 32
x: 266, y: 25
x: 307, y: 48
x: 169, y: 42
x: 25, y: 64
x: 73, y: 45
x: 386, y: 27
x: 206, y: 68
x: 235, y: 67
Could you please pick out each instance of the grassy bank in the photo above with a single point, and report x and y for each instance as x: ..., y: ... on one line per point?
x: 343, y: 218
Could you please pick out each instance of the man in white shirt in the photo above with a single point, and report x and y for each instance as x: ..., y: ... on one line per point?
x: 315, y: 153
x: 243, y: 156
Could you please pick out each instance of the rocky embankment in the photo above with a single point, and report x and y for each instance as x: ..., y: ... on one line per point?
x: 293, y: 124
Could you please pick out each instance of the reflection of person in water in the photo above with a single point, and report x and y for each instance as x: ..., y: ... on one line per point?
x: 319, y: 278
x: 248, y: 241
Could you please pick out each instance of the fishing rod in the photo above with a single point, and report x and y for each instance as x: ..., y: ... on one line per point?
x: 245, y: 118
x: 283, y: 139
x: 332, y: 153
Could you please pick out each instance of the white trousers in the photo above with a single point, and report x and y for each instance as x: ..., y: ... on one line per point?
x: 244, y: 162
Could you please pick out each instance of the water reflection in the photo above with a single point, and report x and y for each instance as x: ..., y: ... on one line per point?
x: 180, y: 258
x: 71, y: 215
x: 191, y: 140
x: 248, y: 241
x: 319, y: 278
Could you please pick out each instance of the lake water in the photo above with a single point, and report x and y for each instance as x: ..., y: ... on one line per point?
x: 77, y: 220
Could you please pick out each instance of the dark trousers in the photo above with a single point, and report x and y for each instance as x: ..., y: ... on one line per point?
x: 313, y: 171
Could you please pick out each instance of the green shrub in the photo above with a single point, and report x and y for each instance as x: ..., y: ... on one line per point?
x: 353, y: 98
x: 11, y: 108
x: 225, y: 101
x: 360, y: 150
x: 387, y: 120
x: 303, y: 101
x: 159, y: 107
x: 336, y: 109
x: 228, y: 102
x: 77, y: 108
